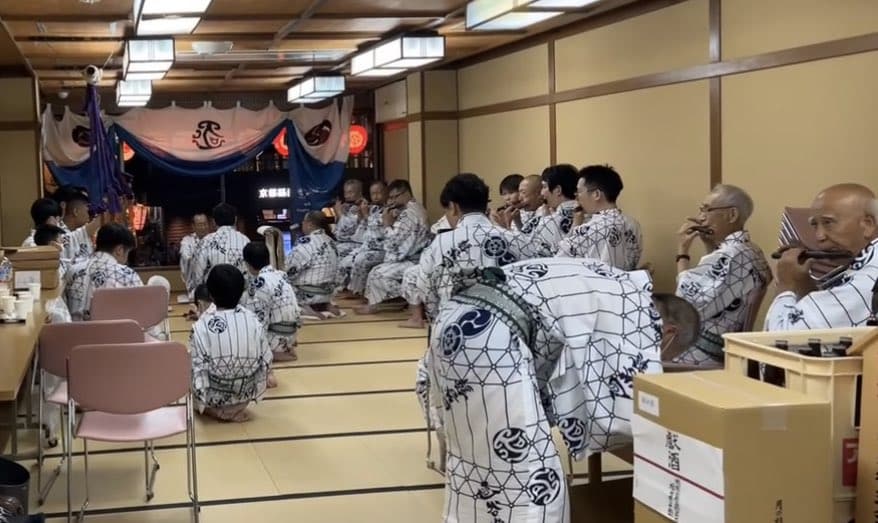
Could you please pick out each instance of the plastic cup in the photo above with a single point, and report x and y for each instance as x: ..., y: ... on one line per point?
x: 22, y: 308
x: 35, y: 289
x: 7, y: 304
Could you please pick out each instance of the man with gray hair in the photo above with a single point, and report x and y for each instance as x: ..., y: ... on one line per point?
x: 845, y: 218
x: 730, y: 280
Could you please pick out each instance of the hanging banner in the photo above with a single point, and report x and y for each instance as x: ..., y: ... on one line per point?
x: 65, y: 141
x: 200, y: 135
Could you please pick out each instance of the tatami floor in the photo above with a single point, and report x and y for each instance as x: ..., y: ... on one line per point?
x: 340, y: 440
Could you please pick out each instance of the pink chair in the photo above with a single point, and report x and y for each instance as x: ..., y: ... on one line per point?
x: 53, y: 348
x: 130, y: 393
x: 147, y: 305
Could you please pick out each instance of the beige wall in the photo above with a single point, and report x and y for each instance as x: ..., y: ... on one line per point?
x: 644, y: 134
x: 757, y: 26
x: 659, y: 41
x: 441, y: 149
x: 511, y: 77
x: 496, y: 145
x: 395, y: 153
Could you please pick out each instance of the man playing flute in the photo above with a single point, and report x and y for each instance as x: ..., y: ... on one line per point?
x: 845, y: 218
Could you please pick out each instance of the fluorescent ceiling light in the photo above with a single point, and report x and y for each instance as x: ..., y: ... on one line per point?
x: 516, y: 20
x: 562, y: 4
x: 134, y: 88
x: 409, y: 51
x: 494, y: 15
x: 316, y: 88
x: 147, y: 59
x: 167, y: 26
x: 363, y: 64
x: 170, y: 7
x: 132, y: 103
x: 157, y: 75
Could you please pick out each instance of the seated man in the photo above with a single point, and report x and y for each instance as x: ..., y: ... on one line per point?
x: 354, y: 268
x: 312, y: 267
x: 609, y: 235
x: 78, y: 223
x: 526, y: 215
x: 348, y: 234
x: 231, y: 357
x: 271, y: 297
x: 511, y: 198
x: 535, y: 344
x: 189, y: 247
x: 406, y: 234
x: 845, y: 217
x: 473, y: 243
x: 225, y: 246
x: 106, y: 268
x: 730, y: 279
x: 44, y: 211
x: 559, y: 192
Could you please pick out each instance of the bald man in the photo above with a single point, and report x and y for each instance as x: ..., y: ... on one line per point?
x: 844, y: 217
x: 525, y: 216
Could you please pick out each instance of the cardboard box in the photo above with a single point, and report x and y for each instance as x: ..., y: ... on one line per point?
x: 44, y: 260
x: 715, y: 447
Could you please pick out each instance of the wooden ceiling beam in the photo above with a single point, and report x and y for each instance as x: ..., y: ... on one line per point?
x: 255, y: 17
x: 210, y: 37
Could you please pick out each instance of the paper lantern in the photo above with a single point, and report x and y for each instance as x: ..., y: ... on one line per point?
x: 280, y: 143
x: 127, y: 152
x: 359, y: 137
x: 138, y: 216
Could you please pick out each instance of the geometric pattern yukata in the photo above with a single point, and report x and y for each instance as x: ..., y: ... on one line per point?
x: 225, y: 246
x: 546, y: 232
x: 98, y: 272
x: 557, y: 343
x: 353, y: 269
x: 348, y: 233
x: 846, y: 304
x: 189, y: 247
x: 475, y: 243
x: 312, y: 267
x: 403, y: 243
x: 609, y: 236
x: 270, y: 296
x: 723, y: 287
x: 230, y: 358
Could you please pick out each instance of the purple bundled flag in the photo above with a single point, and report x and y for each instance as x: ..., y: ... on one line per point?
x: 102, y: 162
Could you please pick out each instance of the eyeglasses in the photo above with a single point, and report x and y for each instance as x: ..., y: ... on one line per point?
x: 394, y: 196
x: 704, y: 209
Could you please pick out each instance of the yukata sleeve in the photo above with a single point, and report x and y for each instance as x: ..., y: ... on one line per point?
x: 401, y: 238
x: 715, y: 285
x: 299, y: 260
x: 824, y: 309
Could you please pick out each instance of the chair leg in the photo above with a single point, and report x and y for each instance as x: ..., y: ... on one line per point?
x: 595, y: 469
x: 84, y: 506
x: 149, y: 452
x: 69, y: 454
x: 56, y: 472
x: 192, y: 462
x: 40, y: 452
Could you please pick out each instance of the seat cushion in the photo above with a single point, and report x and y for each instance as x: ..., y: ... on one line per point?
x: 155, y: 424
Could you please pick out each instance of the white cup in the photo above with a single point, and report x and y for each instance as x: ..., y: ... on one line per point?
x: 4, y: 291
x: 7, y: 304
x: 34, y: 289
x: 24, y: 295
x: 22, y: 308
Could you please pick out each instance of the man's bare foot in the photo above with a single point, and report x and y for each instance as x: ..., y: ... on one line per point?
x: 309, y: 313
x: 241, y: 417
x: 271, y: 382
x: 414, y: 323
x: 346, y: 295
x: 282, y: 356
x: 365, y: 309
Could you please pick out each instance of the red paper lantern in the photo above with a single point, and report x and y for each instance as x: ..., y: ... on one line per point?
x: 359, y: 137
x: 280, y: 143
x: 127, y: 152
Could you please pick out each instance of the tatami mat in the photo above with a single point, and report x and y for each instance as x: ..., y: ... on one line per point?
x: 361, y: 331
x: 352, y: 379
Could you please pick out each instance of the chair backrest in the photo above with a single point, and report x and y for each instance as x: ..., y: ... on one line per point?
x: 58, y: 339
x: 147, y: 305
x: 753, y: 307
x: 128, y: 378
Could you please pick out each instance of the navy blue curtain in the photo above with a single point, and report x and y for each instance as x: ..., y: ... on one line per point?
x: 78, y: 176
x: 312, y: 183
x: 180, y: 167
